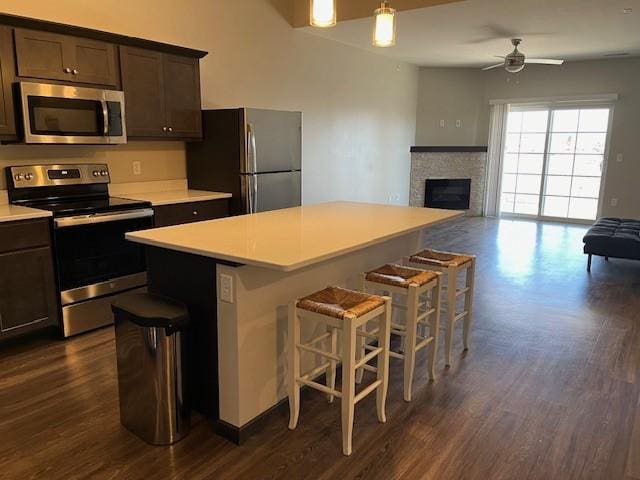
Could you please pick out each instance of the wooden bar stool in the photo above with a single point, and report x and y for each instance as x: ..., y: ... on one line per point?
x: 451, y: 264
x: 422, y: 289
x: 346, y: 310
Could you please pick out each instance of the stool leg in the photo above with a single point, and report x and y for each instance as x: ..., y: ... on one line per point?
x: 348, y: 382
x: 294, y: 366
x: 434, y: 328
x: 410, y: 340
x: 451, y: 315
x: 468, y: 303
x: 384, y: 338
x: 361, y: 341
x: 331, y: 373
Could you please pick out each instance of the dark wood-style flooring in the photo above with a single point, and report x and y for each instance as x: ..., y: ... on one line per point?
x: 549, y: 389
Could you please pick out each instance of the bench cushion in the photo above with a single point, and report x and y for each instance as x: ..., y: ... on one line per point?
x: 614, y: 237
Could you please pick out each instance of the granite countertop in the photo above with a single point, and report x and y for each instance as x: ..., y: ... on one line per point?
x: 175, y: 196
x: 293, y: 238
x: 12, y: 213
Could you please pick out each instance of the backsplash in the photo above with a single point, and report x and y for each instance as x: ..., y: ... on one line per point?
x: 158, y: 160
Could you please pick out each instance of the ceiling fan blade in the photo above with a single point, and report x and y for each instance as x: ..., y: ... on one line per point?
x: 544, y: 61
x: 494, y: 66
x: 499, y: 56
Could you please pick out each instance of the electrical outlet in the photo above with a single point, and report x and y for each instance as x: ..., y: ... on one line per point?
x: 441, y: 123
x: 619, y: 158
x: 137, y: 168
x: 226, y: 288
x: 458, y: 123
x: 614, y: 202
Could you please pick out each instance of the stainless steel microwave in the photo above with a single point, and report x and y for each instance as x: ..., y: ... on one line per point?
x: 72, y: 115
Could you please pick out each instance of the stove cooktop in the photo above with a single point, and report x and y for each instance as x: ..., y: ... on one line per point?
x: 86, y: 206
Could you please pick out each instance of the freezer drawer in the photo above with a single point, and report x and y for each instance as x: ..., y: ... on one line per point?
x: 274, y: 141
x: 272, y: 191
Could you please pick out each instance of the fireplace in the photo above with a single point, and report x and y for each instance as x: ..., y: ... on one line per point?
x: 448, y: 193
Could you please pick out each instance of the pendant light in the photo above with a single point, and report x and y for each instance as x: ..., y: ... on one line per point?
x: 384, y: 26
x: 323, y: 13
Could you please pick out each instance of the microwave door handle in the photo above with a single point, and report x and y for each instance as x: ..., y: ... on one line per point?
x: 105, y: 115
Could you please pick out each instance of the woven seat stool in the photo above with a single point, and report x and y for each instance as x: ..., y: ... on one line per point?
x: 422, y: 290
x: 348, y: 311
x: 451, y: 264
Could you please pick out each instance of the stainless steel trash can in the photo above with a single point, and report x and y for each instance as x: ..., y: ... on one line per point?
x: 150, y: 347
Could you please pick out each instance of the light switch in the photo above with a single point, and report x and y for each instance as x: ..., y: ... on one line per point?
x: 614, y: 202
x: 137, y: 168
x: 226, y: 288
x: 458, y: 123
x: 441, y: 123
x: 619, y: 158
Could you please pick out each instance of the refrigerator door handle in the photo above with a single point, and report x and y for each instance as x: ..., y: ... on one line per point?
x: 254, y: 201
x: 252, y: 161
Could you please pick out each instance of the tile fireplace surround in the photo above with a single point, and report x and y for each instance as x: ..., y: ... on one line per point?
x: 449, y: 162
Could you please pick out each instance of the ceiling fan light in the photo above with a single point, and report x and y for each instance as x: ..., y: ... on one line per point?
x: 384, y: 26
x: 323, y: 13
x: 514, y: 68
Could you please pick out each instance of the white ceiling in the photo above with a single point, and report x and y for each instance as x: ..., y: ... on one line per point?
x: 471, y: 32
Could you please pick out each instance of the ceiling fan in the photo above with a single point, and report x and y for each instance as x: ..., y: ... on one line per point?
x: 516, y: 60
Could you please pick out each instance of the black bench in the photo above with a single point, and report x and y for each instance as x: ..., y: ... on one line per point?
x: 613, y: 237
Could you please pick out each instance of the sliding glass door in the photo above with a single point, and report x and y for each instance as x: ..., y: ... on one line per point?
x: 553, y: 162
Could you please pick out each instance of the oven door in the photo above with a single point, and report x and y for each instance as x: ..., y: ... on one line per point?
x: 93, y: 257
x: 72, y: 115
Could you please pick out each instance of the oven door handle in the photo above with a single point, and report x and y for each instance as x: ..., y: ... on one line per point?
x: 92, y: 219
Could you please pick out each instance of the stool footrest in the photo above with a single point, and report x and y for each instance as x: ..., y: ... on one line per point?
x: 317, y: 351
x: 460, y: 315
x: 319, y: 386
x: 315, y: 372
x: 425, y: 314
x: 369, y: 368
x: 424, y: 343
x: 367, y: 391
x: 373, y: 353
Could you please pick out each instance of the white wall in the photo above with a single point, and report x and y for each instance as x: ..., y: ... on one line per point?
x: 621, y: 76
x: 359, y: 108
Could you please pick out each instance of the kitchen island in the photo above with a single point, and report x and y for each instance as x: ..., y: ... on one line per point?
x: 238, y: 274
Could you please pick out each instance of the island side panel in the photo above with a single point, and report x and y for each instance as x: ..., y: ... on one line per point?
x: 191, y: 279
x: 257, y: 319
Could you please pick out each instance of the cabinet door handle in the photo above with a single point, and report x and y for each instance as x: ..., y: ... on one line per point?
x: 164, y: 129
x: 170, y: 129
x: 67, y: 70
x: 74, y: 71
x: 195, y: 213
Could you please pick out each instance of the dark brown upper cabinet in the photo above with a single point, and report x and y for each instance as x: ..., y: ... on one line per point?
x: 51, y: 56
x: 162, y: 94
x: 7, y: 74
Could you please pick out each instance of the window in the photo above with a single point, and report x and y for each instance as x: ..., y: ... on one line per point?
x: 553, y: 162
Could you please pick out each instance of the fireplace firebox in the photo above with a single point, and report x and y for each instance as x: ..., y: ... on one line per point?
x: 448, y: 193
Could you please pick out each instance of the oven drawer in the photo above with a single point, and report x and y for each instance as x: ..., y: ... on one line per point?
x: 23, y: 235
x: 179, y: 213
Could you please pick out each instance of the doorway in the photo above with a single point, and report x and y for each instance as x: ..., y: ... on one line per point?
x: 553, y: 162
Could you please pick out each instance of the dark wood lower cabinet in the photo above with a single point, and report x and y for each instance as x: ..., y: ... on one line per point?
x: 28, y: 298
x: 179, y: 213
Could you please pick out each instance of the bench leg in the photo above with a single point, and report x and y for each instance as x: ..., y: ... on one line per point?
x: 589, y: 264
x: 606, y: 259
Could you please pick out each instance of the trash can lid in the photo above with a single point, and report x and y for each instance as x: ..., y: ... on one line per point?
x: 148, y: 310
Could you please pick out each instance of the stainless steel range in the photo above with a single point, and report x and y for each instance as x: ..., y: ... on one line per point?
x: 94, y: 262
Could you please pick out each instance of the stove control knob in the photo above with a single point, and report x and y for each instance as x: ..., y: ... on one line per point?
x: 104, y: 173
x: 96, y: 173
x: 18, y: 176
x: 28, y: 176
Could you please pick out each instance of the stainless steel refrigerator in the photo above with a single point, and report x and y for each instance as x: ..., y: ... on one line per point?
x: 254, y: 154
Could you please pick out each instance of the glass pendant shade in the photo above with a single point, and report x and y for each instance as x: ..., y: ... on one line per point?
x: 384, y: 26
x: 323, y: 13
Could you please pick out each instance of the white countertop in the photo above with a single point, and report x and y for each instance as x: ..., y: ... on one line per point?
x: 12, y: 213
x: 175, y: 196
x: 294, y: 237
